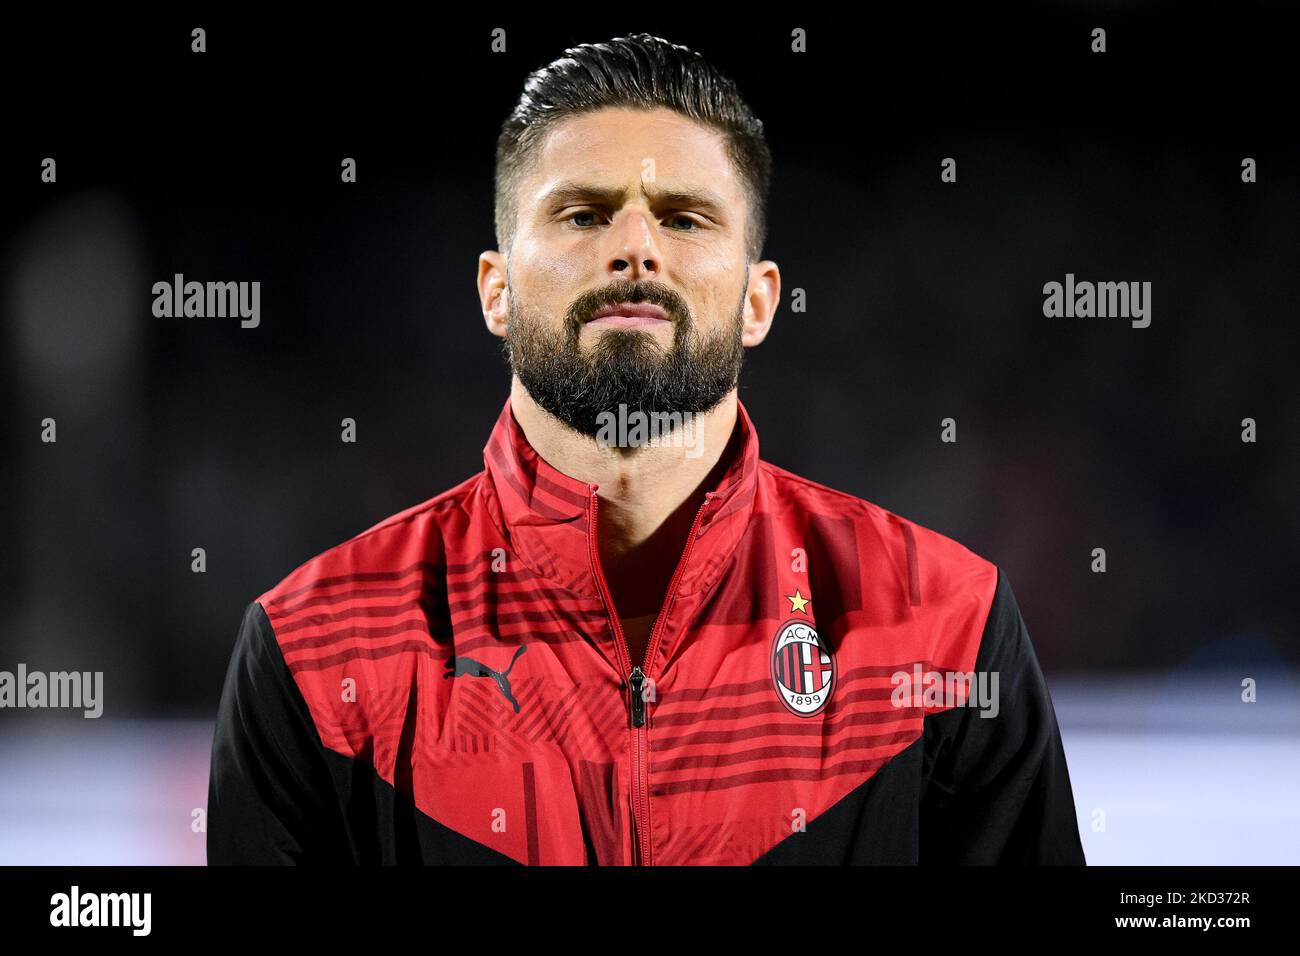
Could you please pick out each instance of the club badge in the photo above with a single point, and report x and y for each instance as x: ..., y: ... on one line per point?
x: 802, y: 670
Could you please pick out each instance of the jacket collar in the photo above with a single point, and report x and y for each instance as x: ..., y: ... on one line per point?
x: 545, y: 515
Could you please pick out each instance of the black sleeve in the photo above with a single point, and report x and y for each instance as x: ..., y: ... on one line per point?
x: 271, y: 798
x: 999, y: 790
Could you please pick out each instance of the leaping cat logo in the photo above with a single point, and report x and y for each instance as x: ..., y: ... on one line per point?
x: 456, y: 666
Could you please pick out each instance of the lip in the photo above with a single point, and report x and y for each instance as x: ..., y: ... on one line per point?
x: 627, y: 315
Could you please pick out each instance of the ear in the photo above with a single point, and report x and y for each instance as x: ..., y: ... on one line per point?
x: 761, y: 298
x: 493, y: 291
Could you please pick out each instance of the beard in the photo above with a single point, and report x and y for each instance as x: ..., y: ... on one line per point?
x: 627, y: 367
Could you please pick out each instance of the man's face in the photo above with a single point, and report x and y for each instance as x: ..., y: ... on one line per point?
x: 628, y: 208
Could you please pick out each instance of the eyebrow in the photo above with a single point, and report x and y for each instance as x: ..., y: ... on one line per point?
x: 572, y: 191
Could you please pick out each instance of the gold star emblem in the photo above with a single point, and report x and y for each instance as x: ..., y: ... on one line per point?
x: 797, y: 601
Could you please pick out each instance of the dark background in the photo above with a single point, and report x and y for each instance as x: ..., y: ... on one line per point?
x: 924, y: 302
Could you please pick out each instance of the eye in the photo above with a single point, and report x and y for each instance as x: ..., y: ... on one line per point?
x: 692, y: 225
x: 573, y: 216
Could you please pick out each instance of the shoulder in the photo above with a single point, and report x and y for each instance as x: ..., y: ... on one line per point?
x: 906, y: 571
x: 353, y: 613
x: 403, y: 545
x: 936, y: 564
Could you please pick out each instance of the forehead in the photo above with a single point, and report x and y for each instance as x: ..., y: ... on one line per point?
x: 610, y: 147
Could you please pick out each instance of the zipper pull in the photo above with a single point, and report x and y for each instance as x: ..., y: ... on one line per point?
x: 638, y: 702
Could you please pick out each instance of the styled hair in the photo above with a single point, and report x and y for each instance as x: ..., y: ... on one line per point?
x: 640, y: 71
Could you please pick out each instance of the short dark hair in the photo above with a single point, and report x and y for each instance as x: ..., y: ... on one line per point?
x: 640, y: 71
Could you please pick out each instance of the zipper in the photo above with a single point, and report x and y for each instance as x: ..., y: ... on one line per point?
x: 637, y: 683
x: 636, y: 676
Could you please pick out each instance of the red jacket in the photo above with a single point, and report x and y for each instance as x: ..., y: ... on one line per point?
x: 453, y: 686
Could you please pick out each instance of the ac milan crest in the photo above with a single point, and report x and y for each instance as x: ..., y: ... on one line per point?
x: 802, y: 670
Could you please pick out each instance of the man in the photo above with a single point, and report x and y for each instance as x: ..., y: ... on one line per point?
x: 628, y: 640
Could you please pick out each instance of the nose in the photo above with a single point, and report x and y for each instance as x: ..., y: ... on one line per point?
x: 635, y: 254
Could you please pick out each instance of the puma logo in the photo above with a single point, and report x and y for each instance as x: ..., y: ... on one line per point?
x: 456, y: 666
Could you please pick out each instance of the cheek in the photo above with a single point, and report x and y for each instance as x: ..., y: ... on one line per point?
x: 544, y: 279
x: 714, y: 293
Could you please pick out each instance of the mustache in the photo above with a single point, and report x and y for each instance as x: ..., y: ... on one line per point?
x: 589, y: 303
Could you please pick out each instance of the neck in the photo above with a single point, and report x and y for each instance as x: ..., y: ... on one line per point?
x: 648, y: 495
